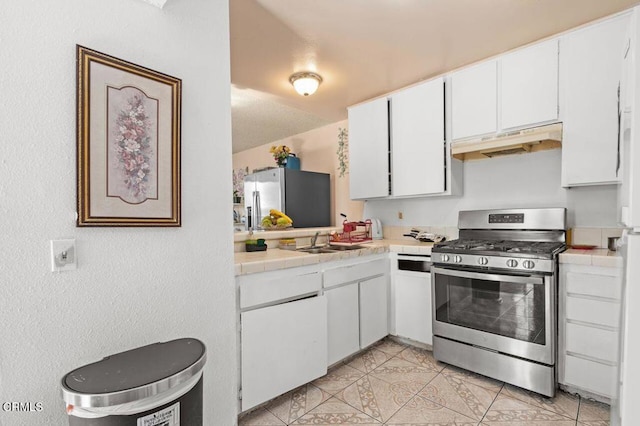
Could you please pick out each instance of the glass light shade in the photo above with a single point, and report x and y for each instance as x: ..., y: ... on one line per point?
x: 305, y: 83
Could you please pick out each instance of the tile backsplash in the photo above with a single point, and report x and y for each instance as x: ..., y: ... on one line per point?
x: 594, y: 236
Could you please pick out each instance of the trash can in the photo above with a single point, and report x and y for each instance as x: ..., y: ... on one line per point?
x: 155, y: 385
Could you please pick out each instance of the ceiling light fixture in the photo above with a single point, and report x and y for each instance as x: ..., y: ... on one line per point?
x: 306, y: 83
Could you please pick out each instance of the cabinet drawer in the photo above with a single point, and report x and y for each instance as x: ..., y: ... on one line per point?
x: 590, y: 376
x: 357, y: 272
x: 593, y: 311
x: 594, y: 285
x: 257, y: 292
x: 593, y: 342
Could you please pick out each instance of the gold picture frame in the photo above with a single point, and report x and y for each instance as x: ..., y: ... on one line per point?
x: 128, y: 143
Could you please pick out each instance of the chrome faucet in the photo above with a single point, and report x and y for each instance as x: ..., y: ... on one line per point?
x: 314, y: 239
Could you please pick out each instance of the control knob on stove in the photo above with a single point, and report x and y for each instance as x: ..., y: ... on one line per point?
x: 444, y: 257
x: 457, y: 259
x: 529, y: 264
x: 512, y: 263
x: 483, y: 260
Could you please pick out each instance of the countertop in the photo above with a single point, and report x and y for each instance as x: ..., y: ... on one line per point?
x: 274, y: 258
x: 595, y: 257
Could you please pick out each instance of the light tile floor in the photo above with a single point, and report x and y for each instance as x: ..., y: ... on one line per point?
x: 394, y: 384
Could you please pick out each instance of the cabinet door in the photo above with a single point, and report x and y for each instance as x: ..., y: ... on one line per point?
x: 283, y: 346
x: 529, y: 85
x: 343, y: 319
x: 369, y: 150
x: 373, y: 310
x: 590, y: 71
x: 413, y: 306
x: 417, y: 140
x: 474, y: 100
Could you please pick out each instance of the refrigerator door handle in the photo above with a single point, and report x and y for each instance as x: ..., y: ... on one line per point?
x: 256, y: 210
x: 619, y: 131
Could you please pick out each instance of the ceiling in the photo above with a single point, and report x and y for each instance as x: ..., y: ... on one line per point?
x: 366, y: 48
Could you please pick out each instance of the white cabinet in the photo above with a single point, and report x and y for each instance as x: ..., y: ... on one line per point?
x: 590, y: 73
x: 343, y: 322
x: 589, y: 335
x: 516, y: 90
x: 418, y: 140
x: 283, y: 346
x: 397, y: 146
x: 412, y: 305
x: 357, y: 294
x: 283, y: 332
x: 474, y: 100
x: 529, y: 85
x: 369, y: 150
x: 373, y: 310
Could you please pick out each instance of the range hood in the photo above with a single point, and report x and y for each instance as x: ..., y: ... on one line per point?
x: 516, y: 142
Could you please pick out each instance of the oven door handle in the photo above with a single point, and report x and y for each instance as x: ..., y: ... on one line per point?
x: 529, y: 279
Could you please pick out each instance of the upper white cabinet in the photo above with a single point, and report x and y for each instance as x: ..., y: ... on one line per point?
x: 590, y: 72
x: 397, y: 145
x: 474, y: 100
x: 369, y: 150
x: 529, y: 85
x: 418, y: 140
x: 516, y: 90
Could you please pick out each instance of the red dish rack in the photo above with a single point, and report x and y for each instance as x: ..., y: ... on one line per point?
x: 353, y: 233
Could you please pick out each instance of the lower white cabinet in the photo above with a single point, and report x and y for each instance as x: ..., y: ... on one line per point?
x: 374, y: 324
x: 283, y: 346
x: 589, y: 335
x: 412, y: 306
x: 357, y: 299
x: 343, y: 322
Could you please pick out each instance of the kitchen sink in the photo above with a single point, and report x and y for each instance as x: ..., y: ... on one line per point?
x: 317, y: 250
x: 327, y: 249
x: 343, y: 248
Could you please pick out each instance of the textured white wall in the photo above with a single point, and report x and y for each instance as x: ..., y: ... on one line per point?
x: 527, y: 180
x: 133, y: 286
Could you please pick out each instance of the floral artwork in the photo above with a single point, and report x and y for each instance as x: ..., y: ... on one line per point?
x: 132, y: 145
x: 238, y: 181
x: 343, y: 151
x: 128, y: 158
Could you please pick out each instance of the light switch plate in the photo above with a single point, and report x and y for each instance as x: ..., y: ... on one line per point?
x: 63, y: 255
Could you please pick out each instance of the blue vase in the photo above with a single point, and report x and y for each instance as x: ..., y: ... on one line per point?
x: 292, y: 162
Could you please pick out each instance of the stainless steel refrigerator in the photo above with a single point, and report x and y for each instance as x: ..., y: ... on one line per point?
x: 303, y: 196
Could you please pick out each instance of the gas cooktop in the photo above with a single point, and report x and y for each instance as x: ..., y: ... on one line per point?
x: 537, y: 249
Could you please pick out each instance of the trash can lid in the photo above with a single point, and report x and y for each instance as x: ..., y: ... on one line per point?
x: 135, y: 374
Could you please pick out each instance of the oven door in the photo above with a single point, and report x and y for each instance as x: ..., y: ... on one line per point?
x: 511, y: 314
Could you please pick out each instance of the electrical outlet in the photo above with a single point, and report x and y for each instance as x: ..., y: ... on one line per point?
x: 399, y: 215
x: 63, y: 255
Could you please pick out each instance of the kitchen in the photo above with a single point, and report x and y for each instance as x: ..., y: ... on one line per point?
x: 141, y: 285
x: 538, y: 179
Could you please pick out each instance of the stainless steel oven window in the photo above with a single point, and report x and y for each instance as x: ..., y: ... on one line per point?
x: 511, y: 309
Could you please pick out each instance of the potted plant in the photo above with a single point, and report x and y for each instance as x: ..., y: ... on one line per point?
x: 280, y: 154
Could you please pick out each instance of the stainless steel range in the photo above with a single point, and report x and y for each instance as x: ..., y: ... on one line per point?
x: 495, y: 292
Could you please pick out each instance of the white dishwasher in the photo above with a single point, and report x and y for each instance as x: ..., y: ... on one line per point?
x: 411, y: 284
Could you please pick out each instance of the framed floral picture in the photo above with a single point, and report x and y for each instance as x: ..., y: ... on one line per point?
x: 128, y: 143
